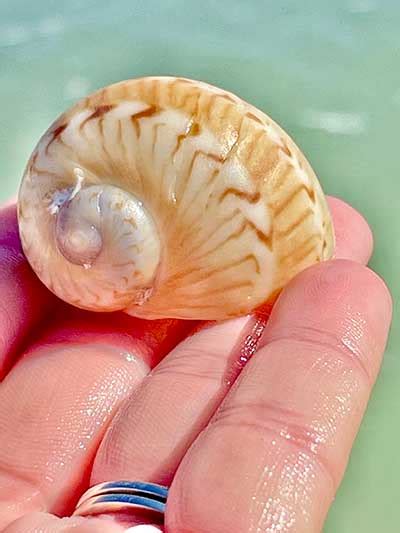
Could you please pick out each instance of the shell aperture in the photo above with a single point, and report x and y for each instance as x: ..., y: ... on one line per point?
x: 167, y: 197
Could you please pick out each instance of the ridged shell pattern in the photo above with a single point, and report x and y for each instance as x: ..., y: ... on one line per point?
x: 236, y: 207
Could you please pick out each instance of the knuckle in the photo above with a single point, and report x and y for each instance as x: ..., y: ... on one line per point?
x: 315, y: 339
x: 192, y: 362
x: 283, y: 427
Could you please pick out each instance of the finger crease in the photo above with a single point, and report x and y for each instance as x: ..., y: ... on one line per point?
x: 263, y: 418
x: 326, y: 341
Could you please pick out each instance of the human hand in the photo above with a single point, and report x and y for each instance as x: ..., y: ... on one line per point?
x: 78, y: 405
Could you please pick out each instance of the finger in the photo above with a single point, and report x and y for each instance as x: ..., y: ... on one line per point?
x: 56, y: 403
x: 157, y: 419
x: 171, y: 406
x: 152, y: 338
x: 24, y: 301
x: 54, y: 407
x: 274, y: 454
x: 354, y: 238
x: 46, y: 523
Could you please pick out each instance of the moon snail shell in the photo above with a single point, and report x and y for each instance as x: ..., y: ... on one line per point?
x: 167, y: 197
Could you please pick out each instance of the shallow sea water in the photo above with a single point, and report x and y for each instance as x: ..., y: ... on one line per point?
x: 328, y: 71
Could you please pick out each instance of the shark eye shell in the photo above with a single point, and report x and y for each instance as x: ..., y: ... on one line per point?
x: 168, y: 197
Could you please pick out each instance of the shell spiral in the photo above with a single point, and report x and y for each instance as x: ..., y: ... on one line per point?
x: 167, y: 197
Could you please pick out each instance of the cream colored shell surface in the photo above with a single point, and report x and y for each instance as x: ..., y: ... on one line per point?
x: 236, y: 207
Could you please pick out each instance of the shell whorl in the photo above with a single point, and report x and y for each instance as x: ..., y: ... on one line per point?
x: 223, y: 208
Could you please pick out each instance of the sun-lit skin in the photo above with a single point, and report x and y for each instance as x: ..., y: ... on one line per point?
x: 170, y: 198
x: 78, y: 405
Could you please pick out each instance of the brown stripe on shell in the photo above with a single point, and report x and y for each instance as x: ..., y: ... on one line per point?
x: 228, y: 97
x: 156, y: 127
x: 135, y: 118
x: 205, y: 275
x: 247, y: 224
x: 292, y: 227
x: 208, y: 155
x: 97, y: 113
x: 55, y: 134
x: 254, y: 117
x: 299, y: 248
x: 192, y: 130
x: 193, y: 231
x: 205, y: 186
x: 283, y: 205
x: 251, y: 198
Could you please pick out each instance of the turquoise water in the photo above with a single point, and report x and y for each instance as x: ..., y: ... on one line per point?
x: 328, y: 71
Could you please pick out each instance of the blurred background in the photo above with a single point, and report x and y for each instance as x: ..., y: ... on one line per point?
x: 327, y: 70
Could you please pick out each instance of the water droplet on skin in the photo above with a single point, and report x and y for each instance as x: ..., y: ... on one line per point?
x: 136, y: 360
x: 246, y: 349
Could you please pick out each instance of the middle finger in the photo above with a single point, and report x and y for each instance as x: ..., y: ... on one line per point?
x: 151, y: 433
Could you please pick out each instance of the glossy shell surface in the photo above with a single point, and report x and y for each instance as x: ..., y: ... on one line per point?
x: 167, y: 197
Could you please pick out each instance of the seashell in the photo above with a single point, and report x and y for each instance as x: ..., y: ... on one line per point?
x: 167, y: 197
